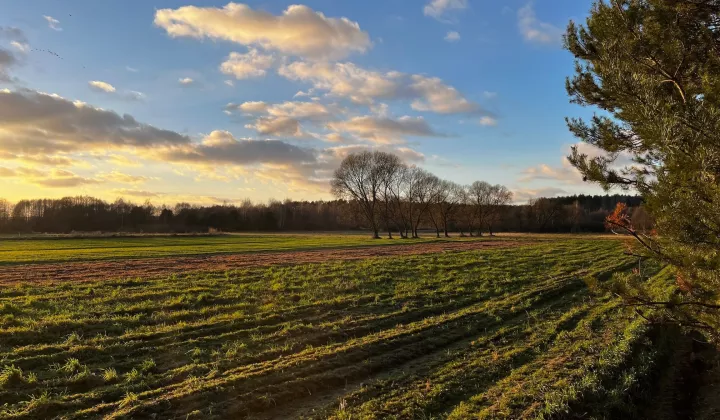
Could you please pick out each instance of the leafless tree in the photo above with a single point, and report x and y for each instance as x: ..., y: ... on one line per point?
x: 391, y: 172
x: 360, y: 178
x: 500, y: 196
x: 423, y: 187
x: 445, y: 205
x: 481, y: 199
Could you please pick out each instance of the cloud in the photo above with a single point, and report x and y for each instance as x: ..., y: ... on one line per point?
x: 136, y: 193
x: 536, y: 31
x: 439, y: 8
x: 35, y: 123
x: 134, y: 95
x: 452, y: 36
x: 40, y: 159
x: 490, y: 95
x: 186, y: 81
x: 277, y: 126
x: 346, y: 80
x: 298, y: 31
x: 120, y: 160
x: 22, y: 47
x: 229, y: 83
x: 300, y: 110
x: 222, y: 147
x: 13, y: 34
x: 53, y: 23
x: 488, y: 121
x: 333, y: 155
x: 123, y: 178
x: 525, y: 195
x: 59, y: 178
x: 435, y: 95
x: 99, y: 86
x: 246, y: 66
x: 7, y: 60
x: 253, y: 107
x: 565, y: 173
x: 384, y: 130
x: 104, y: 87
x: 282, y: 119
x: 131, y: 69
x: 56, y: 178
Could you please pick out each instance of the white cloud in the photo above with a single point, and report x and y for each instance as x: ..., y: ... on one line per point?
x: 20, y: 46
x: 100, y: 86
x: 254, y: 107
x: 131, y: 69
x: 452, y: 36
x: 134, y: 95
x: 536, y: 31
x: 300, y: 110
x: 439, y: 8
x: 246, y: 66
x: 53, y: 23
x: 488, y: 121
x: 229, y: 83
x: 186, y: 81
x: 565, y: 173
x: 277, y: 126
x: 298, y: 31
x: 282, y: 119
x: 436, y: 96
x: 384, y: 130
x: 490, y: 95
x: 346, y: 80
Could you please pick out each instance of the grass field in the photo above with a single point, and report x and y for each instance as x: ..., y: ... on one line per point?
x: 493, y: 333
x: 38, y: 250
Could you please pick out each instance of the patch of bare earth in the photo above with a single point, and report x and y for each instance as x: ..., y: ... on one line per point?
x: 155, y: 267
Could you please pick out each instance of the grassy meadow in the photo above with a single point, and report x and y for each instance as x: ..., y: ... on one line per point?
x: 62, y: 249
x: 499, y: 333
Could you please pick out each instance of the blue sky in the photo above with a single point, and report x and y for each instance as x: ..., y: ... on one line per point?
x: 467, y: 89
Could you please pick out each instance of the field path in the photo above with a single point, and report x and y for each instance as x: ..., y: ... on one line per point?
x: 155, y: 267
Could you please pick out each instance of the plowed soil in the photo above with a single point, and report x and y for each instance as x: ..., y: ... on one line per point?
x: 154, y: 267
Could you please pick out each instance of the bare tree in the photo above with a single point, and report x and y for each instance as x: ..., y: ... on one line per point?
x: 466, y: 213
x: 358, y: 178
x: 423, y: 187
x: 545, y: 211
x: 481, y: 198
x: 445, y: 205
x: 500, y: 196
x: 391, y: 170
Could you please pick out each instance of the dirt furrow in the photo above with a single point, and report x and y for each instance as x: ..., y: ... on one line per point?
x: 155, y: 267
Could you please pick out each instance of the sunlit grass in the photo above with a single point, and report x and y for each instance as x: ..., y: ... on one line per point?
x: 508, y: 332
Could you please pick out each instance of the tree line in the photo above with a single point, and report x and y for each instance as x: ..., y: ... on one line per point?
x: 415, y: 202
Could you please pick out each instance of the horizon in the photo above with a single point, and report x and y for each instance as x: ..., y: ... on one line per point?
x: 205, y: 101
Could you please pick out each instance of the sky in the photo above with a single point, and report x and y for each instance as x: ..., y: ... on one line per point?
x: 209, y: 102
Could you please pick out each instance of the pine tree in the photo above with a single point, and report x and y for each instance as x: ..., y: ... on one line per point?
x: 652, y: 68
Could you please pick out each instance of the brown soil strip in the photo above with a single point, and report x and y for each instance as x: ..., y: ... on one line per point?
x: 157, y: 267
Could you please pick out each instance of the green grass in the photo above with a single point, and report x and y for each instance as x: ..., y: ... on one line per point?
x: 38, y: 250
x: 511, y: 333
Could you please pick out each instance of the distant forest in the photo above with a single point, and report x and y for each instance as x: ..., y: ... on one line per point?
x: 581, y: 213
